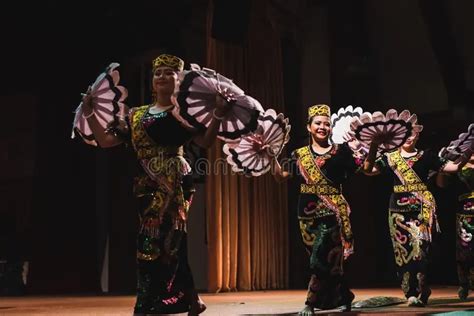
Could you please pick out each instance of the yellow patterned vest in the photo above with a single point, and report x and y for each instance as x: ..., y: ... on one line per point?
x: 413, y: 184
x: 164, y: 167
x: 320, y: 185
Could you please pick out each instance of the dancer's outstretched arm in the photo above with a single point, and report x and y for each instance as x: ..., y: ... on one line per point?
x: 370, y: 168
x: 442, y: 178
x: 452, y: 167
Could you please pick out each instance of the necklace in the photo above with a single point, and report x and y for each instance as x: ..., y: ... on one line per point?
x: 409, y: 155
x: 320, y: 159
x: 412, y: 159
x: 329, y: 149
x: 158, y: 109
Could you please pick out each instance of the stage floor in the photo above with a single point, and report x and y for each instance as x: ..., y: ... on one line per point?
x: 289, y: 302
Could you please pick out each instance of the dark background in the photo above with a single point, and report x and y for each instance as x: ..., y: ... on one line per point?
x: 52, y: 187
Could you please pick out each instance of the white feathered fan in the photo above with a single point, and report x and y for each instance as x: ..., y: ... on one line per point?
x: 253, y: 154
x: 461, y: 148
x: 195, y: 102
x: 341, y: 128
x: 394, y: 128
x: 107, y: 102
x: 341, y: 123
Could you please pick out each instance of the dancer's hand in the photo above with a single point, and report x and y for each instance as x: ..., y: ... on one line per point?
x: 222, y: 105
x: 306, y: 311
x: 348, y: 136
x: 220, y: 101
x: 377, y: 139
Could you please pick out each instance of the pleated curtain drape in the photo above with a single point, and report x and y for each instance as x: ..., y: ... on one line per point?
x: 247, y: 226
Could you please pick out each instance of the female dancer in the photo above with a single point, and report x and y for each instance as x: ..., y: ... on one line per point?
x: 412, y: 212
x: 165, y: 283
x: 323, y: 213
x: 464, y: 227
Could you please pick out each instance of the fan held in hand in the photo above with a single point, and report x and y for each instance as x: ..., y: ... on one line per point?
x: 460, y: 148
x: 253, y: 154
x: 341, y: 123
x: 391, y: 129
x: 195, y: 101
x: 107, y: 102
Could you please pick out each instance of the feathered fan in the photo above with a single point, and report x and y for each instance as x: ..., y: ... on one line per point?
x: 195, y: 100
x: 392, y: 127
x: 341, y: 123
x: 253, y: 154
x: 341, y: 127
x: 107, y: 102
x: 461, y: 148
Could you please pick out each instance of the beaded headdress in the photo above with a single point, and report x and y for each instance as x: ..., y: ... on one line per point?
x: 319, y: 110
x: 169, y: 61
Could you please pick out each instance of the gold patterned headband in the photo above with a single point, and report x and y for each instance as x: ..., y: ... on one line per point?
x: 319, y: 110
x: 168, y: 61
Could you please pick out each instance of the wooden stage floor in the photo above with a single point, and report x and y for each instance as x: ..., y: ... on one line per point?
x: 444, y: 301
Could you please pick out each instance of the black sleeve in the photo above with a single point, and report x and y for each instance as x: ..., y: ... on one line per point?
x: 435, y: 162
x: 382, y: 164
x: 186, y: 135
x: 190, y: 134
x: 350, y: 162
x: 121, y: 131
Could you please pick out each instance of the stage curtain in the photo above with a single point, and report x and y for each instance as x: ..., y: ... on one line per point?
x: 247, y: 231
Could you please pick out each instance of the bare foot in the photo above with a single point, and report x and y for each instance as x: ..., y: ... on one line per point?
x: 415, y: 302
x: 306, y: 311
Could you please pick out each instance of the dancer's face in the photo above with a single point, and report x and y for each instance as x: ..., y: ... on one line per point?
x: 164, y: 80
x: 320, y: 128
x: 411, y: 142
